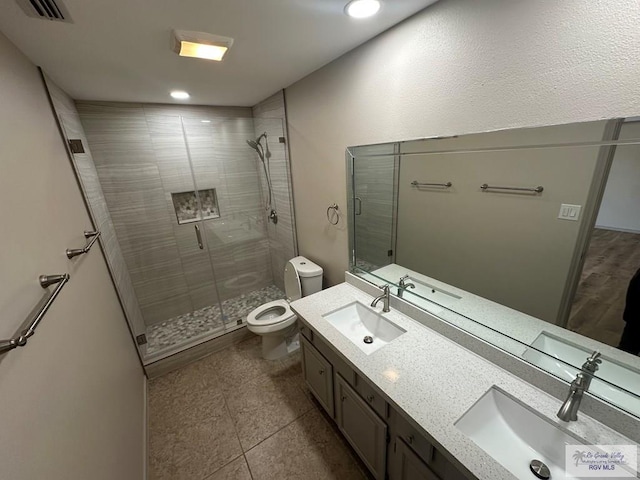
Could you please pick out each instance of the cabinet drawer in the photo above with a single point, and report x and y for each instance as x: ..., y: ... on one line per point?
x: 318, y: 373
x: 328, y: 352
x: 305, y: 331
x: 362, y: 427
x: 408, y: 466
x: 437, y: 462
x: 372, y: 396
x: 418, y: 443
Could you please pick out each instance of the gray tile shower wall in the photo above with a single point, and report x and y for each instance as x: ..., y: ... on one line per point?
x: 270, y: 117
x: 142, y: 158
x: 88, y: 177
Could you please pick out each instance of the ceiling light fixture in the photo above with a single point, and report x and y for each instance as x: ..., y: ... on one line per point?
x: 179, y: 95
x: 200, y: 45
x: 362, y: 8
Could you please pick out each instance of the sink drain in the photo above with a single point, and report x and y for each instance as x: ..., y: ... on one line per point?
x: 540, y: 470
x: 368, y: 339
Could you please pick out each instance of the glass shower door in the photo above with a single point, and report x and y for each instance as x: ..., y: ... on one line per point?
x: 375, y: 171
x: 192, y: 304
x: 226, y: 168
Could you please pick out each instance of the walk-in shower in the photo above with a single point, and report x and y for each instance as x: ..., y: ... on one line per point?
x: 180, y: 201
x: 265, y: 155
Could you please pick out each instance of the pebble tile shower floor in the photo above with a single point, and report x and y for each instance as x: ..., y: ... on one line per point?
x: 180, y: 329
x: 236, y: 416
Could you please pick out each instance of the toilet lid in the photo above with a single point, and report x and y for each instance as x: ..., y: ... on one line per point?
x: 292, y: 283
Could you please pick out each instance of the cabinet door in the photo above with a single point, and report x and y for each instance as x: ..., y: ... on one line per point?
x: 362, y: 427
x: 408, y: 466
x: 318, y: 374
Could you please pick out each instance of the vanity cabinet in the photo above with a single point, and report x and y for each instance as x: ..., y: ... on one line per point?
x: 389, y: 445
x: 362, y: 427
x: 318, y: 373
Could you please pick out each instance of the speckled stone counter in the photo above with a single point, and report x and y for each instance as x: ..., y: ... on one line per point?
x: 434, y: 381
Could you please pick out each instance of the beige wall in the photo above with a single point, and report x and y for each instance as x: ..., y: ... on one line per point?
x: 620, y: 208
x: 72, y: 400
x: 457, y: 67
x: 508, y: 247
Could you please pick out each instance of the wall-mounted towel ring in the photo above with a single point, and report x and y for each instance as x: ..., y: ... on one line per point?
x: 333, y: 215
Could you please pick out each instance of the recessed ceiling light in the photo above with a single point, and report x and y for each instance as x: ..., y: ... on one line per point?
x: 205, y: 121
x: 200, y: 45
x: 362, y: 8
x: 179, y: 95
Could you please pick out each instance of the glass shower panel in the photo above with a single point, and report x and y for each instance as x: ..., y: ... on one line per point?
x: 374, y: 182
x: 87, y: 175
x: 242, y: 236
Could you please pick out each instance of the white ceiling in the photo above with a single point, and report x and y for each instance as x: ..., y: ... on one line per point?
x: 119, y: 50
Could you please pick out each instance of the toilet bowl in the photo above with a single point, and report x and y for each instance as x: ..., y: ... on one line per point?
x: 275, y: 321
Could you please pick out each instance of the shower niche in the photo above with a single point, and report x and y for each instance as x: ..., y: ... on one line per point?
x: 192, y: 206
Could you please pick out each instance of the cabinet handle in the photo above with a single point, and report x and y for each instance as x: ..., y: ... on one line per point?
x: 410, y: 439
x: 321, y: 372
x: 344, y: 397
x: 370, y: 398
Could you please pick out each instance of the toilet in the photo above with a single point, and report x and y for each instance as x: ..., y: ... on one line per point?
x: 275, y: 321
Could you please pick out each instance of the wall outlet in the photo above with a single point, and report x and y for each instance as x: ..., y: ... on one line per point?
x: 570, y: 212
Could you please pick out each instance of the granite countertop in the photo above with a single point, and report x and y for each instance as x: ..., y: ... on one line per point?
x: 435, y: 381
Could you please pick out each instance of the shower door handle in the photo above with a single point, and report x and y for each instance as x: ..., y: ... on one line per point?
x: 199, y: 237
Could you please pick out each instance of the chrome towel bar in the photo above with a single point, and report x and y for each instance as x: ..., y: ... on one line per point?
x: 415, y: 183
x: 74, y: 252
x: 38, y: 312
x: 537, y: 189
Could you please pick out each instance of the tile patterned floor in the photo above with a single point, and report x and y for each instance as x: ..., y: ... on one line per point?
x: 236, y: 416
x: 183, y: 328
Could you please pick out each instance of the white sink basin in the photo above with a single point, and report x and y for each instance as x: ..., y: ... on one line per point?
x: 513, y: 435
x: 557, y: 348
x: 356, y: 321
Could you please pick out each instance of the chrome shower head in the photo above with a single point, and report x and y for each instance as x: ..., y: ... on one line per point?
x: 253, y: 144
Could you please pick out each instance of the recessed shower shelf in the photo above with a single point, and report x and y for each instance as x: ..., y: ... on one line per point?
x: 190, y: 208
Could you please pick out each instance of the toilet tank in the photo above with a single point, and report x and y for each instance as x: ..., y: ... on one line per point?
x: 310, y: 275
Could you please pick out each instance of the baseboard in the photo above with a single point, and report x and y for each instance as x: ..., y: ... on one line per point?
x: 615, y: 229
x: 197, y: 352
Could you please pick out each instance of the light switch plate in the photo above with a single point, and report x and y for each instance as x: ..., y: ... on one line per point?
x: 570, y: 212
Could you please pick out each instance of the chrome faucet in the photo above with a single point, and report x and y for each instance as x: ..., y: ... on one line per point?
x: 384, y: 297
x: 569, y: 410
x: 402, y: 285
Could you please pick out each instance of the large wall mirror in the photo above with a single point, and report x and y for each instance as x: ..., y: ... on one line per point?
x: 527, y: 238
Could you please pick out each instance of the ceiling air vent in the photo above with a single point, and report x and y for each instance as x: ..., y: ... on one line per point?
x: 45, y: 9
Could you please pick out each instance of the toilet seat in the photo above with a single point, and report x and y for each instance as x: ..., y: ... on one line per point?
x: 271, y: 317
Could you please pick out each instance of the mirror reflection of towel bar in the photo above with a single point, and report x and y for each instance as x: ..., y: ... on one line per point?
x: 415, y: 183
x: 537, y: 189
